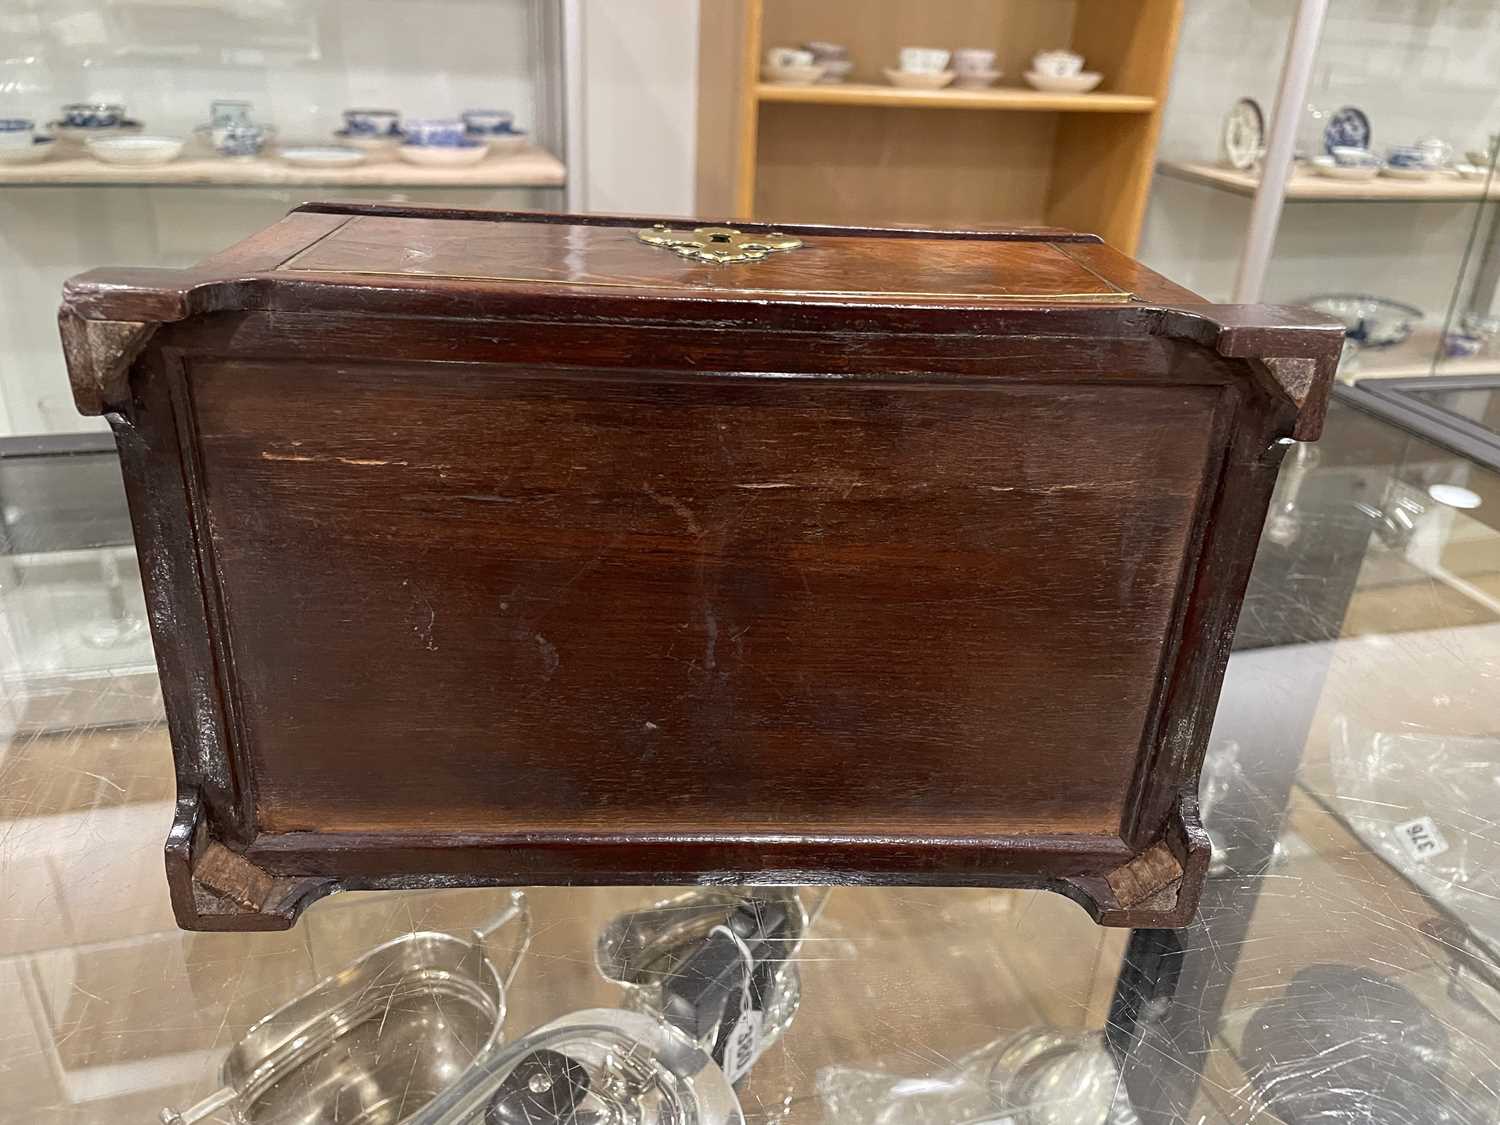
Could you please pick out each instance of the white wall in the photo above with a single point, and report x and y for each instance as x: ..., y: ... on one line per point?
x: 1416, y: 67
x: 640, y: 105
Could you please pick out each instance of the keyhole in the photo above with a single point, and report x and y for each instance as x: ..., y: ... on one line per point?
x: 718, y: 238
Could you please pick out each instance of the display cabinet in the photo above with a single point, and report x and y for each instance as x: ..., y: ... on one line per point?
x: 1406, y: 254
x: 297, y: 68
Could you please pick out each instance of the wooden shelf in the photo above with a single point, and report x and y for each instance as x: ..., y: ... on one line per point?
x: 533, y: 167
x: 1306, y: 185
x: 996, y: 98
x: 1414, y: 357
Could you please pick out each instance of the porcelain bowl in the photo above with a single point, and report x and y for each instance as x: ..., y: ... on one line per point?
x: 39, y: 149
x: 978, y: 80
x: 794, y: 75
x: 918, y: 79
x: 1070, y: 84
x: 134, y: 149
x: 323, y: 156
x: 1328, y: 166
x: 1369, y: 321
x: 445, y: 156
x: 80, y: 134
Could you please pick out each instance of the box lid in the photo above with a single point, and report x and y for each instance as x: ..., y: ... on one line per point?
x: 378, y: 259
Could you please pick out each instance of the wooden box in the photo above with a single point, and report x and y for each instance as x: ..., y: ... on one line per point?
x: 497, y: 548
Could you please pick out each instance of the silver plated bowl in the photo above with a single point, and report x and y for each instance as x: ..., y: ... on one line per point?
x: 375, y: 1042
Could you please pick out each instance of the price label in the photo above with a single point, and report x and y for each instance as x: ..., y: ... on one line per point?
x: 743, y: 1047
x: 1420, y: 839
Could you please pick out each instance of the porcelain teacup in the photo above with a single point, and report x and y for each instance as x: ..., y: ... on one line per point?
x: 1057, y: 64
x: 17, y: 132
x: 973, y: 60
x: 1407, y: 156
x: 93, y: 115
x: 240, y: 138
x: 780, y: 57
x: 436, y: 132
x: 488, y: 121
x: 924, y: 60
x: 372, y: 122
x: 823, y: 51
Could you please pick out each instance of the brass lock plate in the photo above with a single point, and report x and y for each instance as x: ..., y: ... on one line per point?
x: 718, y: 245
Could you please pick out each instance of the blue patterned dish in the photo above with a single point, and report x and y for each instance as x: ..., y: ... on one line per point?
x: 93, y: 115
x: 1370, y: 322
x: 372, y: 123
x: 438, y: 132
x: 1347, y: 128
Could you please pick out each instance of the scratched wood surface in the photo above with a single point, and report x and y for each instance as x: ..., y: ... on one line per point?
x: 504, y: 548
x: 693, y: 606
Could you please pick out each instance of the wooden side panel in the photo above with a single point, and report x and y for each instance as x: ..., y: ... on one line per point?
x: 1101, y: 173
x: 721, y: 56
x: 483, y: 601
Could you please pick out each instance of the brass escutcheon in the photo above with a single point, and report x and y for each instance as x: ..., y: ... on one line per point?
x: 719, y: 245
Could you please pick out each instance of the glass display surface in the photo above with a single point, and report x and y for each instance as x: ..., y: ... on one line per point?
x: 1343, y: 966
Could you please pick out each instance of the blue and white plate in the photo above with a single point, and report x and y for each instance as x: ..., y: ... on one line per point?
x: 1348, y: 127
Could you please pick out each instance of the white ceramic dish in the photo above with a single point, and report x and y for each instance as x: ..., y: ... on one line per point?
x: 1071, y: 84
x: 1472, y: 171
x: 1328, y: 166
x: 1409, y: 173
x: 444, y: 156
x: 134, y: 149
x: 918, y: 80
x: 794, y: 75
x: 79, y: 134
x: 978, y: 80
x: 34, y: 153
x: 323, y: 156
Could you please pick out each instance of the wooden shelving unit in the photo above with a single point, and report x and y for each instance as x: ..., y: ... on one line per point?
x: 1306, y: 185
x: 533, y: 167
x: 867, y: 152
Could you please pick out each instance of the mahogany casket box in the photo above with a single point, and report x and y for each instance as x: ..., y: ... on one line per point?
x: 490, y: 548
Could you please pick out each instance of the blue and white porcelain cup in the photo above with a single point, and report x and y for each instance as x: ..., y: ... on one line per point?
x: 240, y: 139
x: 17, y: 132
x: 372, y: 122
x: 1407, y: 156
x: 489, y: 122
x: 93, y: 115
x: 436, y: 132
